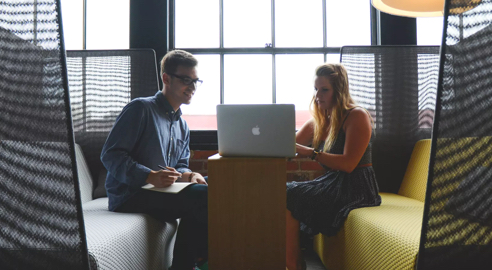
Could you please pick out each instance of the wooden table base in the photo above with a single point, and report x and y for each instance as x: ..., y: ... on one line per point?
x: 247, y: 204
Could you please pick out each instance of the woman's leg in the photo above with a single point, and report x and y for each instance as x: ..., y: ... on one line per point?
x: 293, y: 247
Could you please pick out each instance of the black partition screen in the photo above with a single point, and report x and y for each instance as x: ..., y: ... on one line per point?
x: 41, y: 223
x: 101, y: 83
x: 457, y: 225
x: 398, y: 85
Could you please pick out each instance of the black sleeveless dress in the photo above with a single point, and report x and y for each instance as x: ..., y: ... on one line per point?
x: 323, y: 204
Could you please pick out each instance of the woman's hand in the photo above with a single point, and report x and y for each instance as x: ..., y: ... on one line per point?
x: 303, y: 151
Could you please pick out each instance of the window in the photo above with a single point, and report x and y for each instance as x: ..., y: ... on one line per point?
x: 429, y: 31
x: 262, y: 51
x: 73, y: 23
x: 107, y: 24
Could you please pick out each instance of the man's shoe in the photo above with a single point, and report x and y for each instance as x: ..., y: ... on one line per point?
x: 203, y: 266
x: 172, y: 268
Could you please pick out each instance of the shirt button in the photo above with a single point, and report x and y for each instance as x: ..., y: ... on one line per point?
x: 171, y: 139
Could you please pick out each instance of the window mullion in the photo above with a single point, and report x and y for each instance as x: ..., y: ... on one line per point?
x: 221, y: 78
x: 378, y: 18
x: 171, y: 25
x: 325, y: 35
x: 221, y: 23
x: 274, y: 88
x: 260, y: 50
x: 273, y: 23
x: 84, y: 25
x: 221, y: 47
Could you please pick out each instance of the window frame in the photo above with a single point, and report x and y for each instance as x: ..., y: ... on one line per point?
x: 207, y: 139
x: 273, y: 50
x: 164, y: 36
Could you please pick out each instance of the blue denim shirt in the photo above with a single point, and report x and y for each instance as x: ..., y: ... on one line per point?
x: 148, y: 132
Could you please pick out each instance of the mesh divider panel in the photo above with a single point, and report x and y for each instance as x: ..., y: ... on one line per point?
x: 398, y: 86
x: 41, y: 223
x: 457, y: 225
x: 102, y: 82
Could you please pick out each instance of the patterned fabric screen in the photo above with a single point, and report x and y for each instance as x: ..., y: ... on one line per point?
x: 398, y: 85
x: 457, y: 226
x: 41, y: 223
x: 101, y: 84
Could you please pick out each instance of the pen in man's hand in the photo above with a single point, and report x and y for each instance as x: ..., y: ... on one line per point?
x: 162, y: 167
x: 167, y: 169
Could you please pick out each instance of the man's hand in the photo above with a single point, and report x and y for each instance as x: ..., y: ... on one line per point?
x: 163, y: 178
x: 195, y: 178
x: 198, y: 178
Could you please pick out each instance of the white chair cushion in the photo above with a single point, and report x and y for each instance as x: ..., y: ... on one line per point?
x: 85, y: 180
x: 121, y: 241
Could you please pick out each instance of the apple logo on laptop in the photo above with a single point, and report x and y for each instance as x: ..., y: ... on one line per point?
x: 256, y: 130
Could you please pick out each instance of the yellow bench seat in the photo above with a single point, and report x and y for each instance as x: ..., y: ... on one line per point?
x: 385, y: 236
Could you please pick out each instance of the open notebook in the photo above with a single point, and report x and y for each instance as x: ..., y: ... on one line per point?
x: 174, y: 188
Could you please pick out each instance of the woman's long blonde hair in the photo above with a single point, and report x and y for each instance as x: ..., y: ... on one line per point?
x: 328, y: 123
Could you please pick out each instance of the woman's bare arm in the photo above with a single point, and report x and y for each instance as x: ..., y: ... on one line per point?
x: 304, y: 136
x: 358, y: 134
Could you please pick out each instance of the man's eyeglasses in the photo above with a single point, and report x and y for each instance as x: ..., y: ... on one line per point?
x: 187, y: 80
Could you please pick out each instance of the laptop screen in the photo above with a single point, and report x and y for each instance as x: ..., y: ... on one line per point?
x: 257, y: 130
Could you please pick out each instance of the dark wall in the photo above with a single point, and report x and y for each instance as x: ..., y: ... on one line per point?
x: 149, y: 26
x: 397, y: 30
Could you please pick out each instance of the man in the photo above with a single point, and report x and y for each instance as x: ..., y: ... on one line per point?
x: 150, y: 133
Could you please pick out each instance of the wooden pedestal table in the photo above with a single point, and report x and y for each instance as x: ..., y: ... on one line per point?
x: 246, y: 208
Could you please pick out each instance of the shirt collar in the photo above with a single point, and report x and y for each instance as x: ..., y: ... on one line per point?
x: 164, y: 104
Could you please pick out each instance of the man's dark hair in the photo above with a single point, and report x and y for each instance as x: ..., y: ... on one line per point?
x: 175, y: 58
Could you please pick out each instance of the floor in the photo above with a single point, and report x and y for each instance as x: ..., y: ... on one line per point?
x: 312, y: 261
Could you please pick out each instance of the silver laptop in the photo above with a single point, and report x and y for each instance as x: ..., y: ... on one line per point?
x: 256, y: 130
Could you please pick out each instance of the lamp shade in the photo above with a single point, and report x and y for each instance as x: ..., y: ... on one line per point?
x: 422, y: 8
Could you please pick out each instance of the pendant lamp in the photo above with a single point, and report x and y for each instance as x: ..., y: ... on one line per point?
x: 423, y: 8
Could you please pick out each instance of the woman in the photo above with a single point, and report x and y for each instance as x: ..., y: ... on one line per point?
x: 338, y: 137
